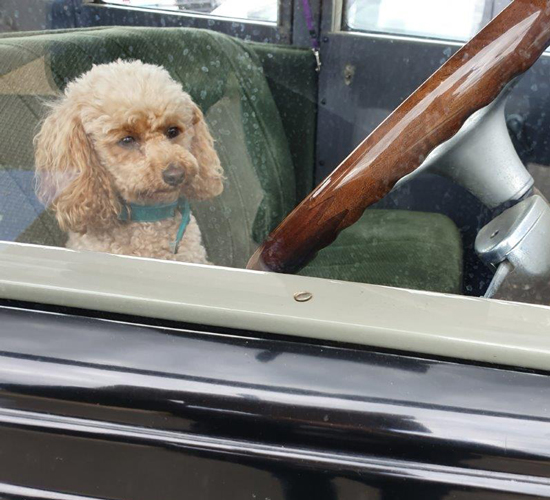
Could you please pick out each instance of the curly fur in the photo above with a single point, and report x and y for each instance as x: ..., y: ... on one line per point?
x: 85, y: 173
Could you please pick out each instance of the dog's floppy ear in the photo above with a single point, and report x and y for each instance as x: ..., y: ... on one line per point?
x: 69, y: 174
x: 208, y: 182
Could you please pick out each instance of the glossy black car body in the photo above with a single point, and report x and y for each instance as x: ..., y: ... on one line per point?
x: 107, y: 408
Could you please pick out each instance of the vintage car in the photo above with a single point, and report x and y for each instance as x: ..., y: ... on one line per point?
x: 376, y: 324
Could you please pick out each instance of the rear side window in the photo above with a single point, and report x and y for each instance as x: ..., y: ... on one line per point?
x: 256, y: 10
x: 450, y: 19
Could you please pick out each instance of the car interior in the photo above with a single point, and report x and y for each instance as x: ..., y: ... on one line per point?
x: 280, y: 126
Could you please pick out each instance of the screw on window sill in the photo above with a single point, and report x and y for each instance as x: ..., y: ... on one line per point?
x: 303, y: 296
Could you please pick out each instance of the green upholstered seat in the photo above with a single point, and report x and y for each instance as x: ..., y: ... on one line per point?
x: 398, y: 248
x: 260, y: 102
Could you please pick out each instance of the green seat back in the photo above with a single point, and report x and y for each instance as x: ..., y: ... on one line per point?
x: 226, y: 79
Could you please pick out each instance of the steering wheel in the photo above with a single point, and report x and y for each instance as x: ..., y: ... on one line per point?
x: 470, y: 80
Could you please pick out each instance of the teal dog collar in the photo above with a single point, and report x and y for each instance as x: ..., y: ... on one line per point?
x: 158, y: 212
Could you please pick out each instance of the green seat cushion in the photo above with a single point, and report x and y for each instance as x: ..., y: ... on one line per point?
x: 415, y: 250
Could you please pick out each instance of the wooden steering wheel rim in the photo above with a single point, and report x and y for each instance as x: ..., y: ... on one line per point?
x: 470, y: 80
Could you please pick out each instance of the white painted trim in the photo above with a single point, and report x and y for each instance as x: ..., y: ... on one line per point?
x: 419, y: 322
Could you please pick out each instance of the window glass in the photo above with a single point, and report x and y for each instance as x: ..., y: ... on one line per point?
x: 257, y: 10
x: 151, y: 142
x: 449, y: 19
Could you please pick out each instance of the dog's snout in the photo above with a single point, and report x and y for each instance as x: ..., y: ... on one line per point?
x: 173, y: 175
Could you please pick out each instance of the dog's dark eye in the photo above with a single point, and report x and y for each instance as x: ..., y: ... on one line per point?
x: 172, y: 132
x: 128, y: 141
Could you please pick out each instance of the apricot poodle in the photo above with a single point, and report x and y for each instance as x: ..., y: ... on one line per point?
x: 119, y: 156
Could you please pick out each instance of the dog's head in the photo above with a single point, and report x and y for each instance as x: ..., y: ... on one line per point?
x: 123, y: 132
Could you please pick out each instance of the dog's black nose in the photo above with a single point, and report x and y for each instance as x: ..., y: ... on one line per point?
x: 173, y: 175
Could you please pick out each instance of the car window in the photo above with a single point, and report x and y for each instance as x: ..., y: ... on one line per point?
x: 188, y: 131
x: 452, y: 20
x: 258, y: 10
